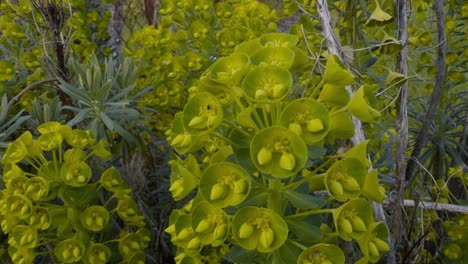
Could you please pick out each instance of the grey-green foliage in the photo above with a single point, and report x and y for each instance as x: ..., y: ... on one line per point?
x: 43, y: 112
x: 8, y: 125
x: 104, y: 99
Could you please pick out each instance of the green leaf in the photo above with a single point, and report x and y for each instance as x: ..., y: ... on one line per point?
x: 359, y: 107
x: 306, y: 231
x: 336, y: 75
x: 334, y: 95
x: 315, y: 152
x: 304, y: 201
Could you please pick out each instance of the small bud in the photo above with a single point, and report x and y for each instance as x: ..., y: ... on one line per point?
x: 350, y: 184
x: 176, y: 185
x: 220, y: 231
x: 217, y: 192
x: 381, y: 245
x: 198, y: 122
x: 203, y: 226
x: 264, y: 156
x: 240, y: 186
x: 358, y: 224
x: 373, y: 251
x: 336, y: 188
x: 287, y: 161
x: 76, y: 252
x: 261, y: 94
x: 246, y: 230
x: 266, y: 237
x: 314, y: 125
x: 296, y: 128
x: 184, y: 233
x: 345, y: 225
x: 194, y: 243
x: 277, y: 90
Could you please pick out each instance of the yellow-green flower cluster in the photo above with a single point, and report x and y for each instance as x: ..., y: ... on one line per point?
x: 52, y: 195
x: 253, y: 153
x: 189, y: 36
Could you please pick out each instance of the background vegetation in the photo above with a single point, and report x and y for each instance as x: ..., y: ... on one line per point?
x: 123, y: 69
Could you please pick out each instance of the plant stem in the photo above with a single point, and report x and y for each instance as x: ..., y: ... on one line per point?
x: 299, y: 245
x: 310, y: 212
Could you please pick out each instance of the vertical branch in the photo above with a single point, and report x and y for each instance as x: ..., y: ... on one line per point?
x: 436, y: 94
x: 334, y: 47
x: 397, y: 229
x: 116, y: 28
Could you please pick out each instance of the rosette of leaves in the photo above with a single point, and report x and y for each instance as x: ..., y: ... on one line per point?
x: 249, y: 154
x: 105, y: 103
x: 52, y: 197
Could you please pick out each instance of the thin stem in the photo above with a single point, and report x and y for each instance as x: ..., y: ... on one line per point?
x: 311, y: 174
x: 230, y: 142
x: 310, y: 212
x: 238, y: 129
x: 299, y: 245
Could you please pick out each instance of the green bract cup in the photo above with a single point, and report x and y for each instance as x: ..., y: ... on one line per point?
x: 267, y: 83
x: 279, y: 56
x: 225, y: 184
x: 202, y: 113
x: 374, y: 243
x: 229, y: 70
x: 185, y: 175
x: 259, y: 228
x: 75, y: 174
x: 184, y: 235
x: 279, y: 40
x: 307, y: 118
x: 322, y: 254
x: 15, y: 152
x: 97, y: 254
x: 345, y: 179
x: 181, y: 140
x: 94, y: 218
x: 210, y: 223
x: 23, y: 236
x: 69, y: 251
x: 353, y: 218
x: 278, y: 151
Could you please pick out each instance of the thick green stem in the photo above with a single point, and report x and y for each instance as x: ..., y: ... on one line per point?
x: 274, y: 198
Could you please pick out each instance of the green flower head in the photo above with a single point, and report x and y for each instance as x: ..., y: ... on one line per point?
x: 17, y: 205
x: 15, y: 152
x: 345, y: 179
x: 307, y: 118
x: 259, y: 228
x: 225, y: 184
x: 112, y: 181
x: 322, y: 254
x: 23, y: 236
x: 374, y: 243
x: 128, y: 211
x: 279, y: 40
x: 78, y: 138
x: 210, y: 224
x: 267, y: 83
x: 36, y: 188
x: 184, y: 176
x: 202, y: 113
x: 21, y: 254
x: 353, y: 218
x: 97, y: 253
x: 69, y: 251
x: 279, y: 56
x: 74, y: 155
x: 76, y: 174
x: 129, y: 245
x: 39, y: 219
x: 95, y: 218
x: 229, y: 70
x: 50, y: 141
x: 10, y: 171
x: 278, y: 151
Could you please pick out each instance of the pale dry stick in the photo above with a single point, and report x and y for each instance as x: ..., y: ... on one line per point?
x: 335, y: 48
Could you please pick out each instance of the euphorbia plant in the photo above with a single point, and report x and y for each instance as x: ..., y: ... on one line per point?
x: 52, y: 200
x: 254, y: 154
